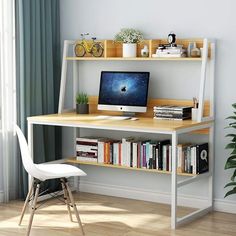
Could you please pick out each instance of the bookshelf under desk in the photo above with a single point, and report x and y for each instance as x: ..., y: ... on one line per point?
x: 145, y: 125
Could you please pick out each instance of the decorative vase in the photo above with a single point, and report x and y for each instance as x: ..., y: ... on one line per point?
x: 129, y: 49
x: 145, y: 51
x: 82, y: 108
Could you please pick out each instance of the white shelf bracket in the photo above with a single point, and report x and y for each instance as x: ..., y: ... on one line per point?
x: 202, y: 80
x: 63, y: 75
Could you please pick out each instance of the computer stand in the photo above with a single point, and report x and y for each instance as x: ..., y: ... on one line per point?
x: 129, y: 114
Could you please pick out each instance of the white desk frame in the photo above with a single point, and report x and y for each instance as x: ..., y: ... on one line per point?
x: 175, y: 184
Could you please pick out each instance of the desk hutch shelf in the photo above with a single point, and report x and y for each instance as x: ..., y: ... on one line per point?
x: 145, y: 124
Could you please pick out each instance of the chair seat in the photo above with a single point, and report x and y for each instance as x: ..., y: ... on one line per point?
x: 52, y: 171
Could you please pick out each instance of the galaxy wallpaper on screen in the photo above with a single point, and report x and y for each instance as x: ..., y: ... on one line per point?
x: 128, y: 89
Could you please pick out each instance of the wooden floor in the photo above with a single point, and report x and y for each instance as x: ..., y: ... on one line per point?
x: 111, y: 216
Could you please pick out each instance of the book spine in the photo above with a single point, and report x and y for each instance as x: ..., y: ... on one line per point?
x: 154, y: 156
x: 188, y: 159
x: 147, y: 154
x: 80, y: 139
x: 86, y: 148
x: 135, y: 156
x: 169, y: 118
x: 179, y: 158
x: 164, y: 157
x: 194, y: 161
x: 106, y: 155
x: 86, y: 159
x: 171, y: 115
x: 120, y: 154
x: 86, y: 153
x: 128, y: 152
x: 82, y: 143
x: 150, y: 161
x: 123, y: 163
x: 157, y: 158
x: 139, y: 155
x: 111, y: 153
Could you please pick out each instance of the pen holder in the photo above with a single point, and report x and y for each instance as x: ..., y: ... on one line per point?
x: 194, y: 114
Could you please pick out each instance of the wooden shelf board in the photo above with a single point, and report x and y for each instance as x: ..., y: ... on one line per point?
x: 73, y: 160
x: 133, y: 59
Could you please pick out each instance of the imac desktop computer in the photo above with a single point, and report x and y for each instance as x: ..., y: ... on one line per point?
x: 123, y: 91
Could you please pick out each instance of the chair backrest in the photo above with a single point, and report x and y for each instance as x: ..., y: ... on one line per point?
x: 25, y: 154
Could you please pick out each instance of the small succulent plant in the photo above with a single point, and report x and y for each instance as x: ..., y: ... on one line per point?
x: 82, y: 98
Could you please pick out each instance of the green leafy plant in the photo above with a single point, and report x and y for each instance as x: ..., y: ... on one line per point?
x: 231, y: 161
x: 82, y: 98
x: 128, y: 35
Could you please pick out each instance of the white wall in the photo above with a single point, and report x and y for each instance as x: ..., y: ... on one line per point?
x: 188, y: 19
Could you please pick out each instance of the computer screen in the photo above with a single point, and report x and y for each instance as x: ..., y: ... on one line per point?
x: 123, y: 91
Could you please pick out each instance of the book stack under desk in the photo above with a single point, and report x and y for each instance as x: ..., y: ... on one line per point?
x: 137, y: 154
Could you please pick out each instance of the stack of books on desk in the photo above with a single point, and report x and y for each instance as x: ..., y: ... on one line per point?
x: 165, y: 51
x: 172, y: 112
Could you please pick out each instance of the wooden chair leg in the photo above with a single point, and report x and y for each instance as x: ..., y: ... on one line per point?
x: 26, y: 202
x: 74, y: 206
x: 33, y: 208
x: 66, y: 198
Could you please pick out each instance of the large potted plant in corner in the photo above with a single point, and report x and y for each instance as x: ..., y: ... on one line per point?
x: 231, y: 161
x: 82, y: 106
x: 129, y: 38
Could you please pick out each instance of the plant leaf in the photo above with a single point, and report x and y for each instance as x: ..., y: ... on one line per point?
x: 230, y: 164
x: 234, y: 105
x: 230, y: 135
x: 233, y: 191
x: 230, y: 146
x: 231, y: 117
x: 230, y: 184
x: 233, y: 152
x: 233, y: 176
x: 231, y: 158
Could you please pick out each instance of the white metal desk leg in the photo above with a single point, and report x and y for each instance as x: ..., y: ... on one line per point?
x: 30, y: 145
x: 174, y: 182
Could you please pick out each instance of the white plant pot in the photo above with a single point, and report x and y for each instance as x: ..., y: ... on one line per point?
x: 129, y: 49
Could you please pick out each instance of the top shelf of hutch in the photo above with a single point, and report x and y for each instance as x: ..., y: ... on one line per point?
x: 113, y: 51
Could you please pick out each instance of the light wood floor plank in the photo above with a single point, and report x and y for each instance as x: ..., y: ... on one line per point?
x: 111, y: 216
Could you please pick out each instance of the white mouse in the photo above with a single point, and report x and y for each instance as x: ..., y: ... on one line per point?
x: 134, y: 118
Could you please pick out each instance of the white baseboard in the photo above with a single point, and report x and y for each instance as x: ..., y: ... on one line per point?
x: 1, y: 196
x: 154, y: 196
x: 225, y: 206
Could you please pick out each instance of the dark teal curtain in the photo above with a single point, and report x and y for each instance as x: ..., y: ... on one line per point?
x: 38, y: 62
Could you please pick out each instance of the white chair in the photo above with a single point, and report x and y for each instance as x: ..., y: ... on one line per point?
x: 42, y: 172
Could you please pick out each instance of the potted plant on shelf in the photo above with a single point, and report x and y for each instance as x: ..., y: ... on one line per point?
x: 82, y: 106
x: 129, y: 38
x: 231, y: 161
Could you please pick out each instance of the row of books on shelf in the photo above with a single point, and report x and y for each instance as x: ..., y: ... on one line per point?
x: 167, y: 112
x: 147, y: 154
